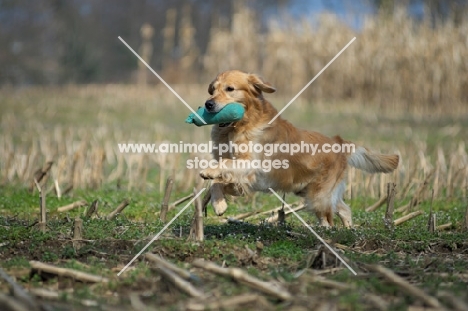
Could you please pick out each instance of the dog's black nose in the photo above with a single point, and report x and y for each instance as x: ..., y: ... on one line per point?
x: 210, y: 104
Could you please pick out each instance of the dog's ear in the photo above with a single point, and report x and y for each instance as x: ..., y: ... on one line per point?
x: 211, y: 87
x: 261, y: 85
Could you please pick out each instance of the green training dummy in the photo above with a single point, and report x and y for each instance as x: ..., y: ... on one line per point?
x: 231, y: 112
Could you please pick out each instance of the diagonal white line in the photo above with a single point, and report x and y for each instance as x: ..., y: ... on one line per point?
x: 310, y: 82
x: 315, y: 233
x: 161, y: 79
x: 160, y: 232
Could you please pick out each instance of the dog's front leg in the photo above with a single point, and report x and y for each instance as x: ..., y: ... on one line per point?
x: 227, y: 171
x: 217, y: 197
x: 214, y: 171
x: 218, y: 191
x: 225, y: 175
x: 217, y: 186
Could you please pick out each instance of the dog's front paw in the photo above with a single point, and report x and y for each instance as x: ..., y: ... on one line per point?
x: 220, y: 206
x: 210, y: 173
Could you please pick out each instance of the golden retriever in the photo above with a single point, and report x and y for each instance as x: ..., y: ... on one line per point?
x: 319, y: 177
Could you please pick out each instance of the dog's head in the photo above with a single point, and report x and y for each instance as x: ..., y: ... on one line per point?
x: 235, y: 86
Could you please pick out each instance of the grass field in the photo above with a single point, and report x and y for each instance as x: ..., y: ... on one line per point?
x: 78, y: 128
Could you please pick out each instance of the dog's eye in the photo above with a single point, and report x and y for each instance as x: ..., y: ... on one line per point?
x: 229, y: 88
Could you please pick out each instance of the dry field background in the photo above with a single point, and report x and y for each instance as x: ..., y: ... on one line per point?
x: 395, y: 63
x: 78, y: 129
x: 402, y: 85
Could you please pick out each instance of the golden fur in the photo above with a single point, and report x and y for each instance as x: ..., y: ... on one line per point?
x: 318, y: 178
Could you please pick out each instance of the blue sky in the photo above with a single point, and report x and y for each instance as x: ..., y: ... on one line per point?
x: 352, y: 12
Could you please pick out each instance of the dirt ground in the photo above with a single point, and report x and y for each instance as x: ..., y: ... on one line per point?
x: 318, y: 281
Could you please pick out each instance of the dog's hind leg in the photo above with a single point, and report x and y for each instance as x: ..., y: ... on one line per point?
x: 340, y: 207
x: 344, y: 212
x: 322, y: 209
x: 325, y: 217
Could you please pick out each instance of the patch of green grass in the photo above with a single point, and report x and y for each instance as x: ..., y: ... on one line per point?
x: 351, y: 300
x: 406, y: 248
x: 49, y: 257
x: 284, y: 249
x: 83, y: 292
x: 17, y: 262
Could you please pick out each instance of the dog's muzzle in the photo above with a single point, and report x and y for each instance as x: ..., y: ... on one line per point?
x: 210, y: 105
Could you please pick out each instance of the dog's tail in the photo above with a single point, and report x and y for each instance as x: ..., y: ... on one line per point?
x: 372, y: 162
